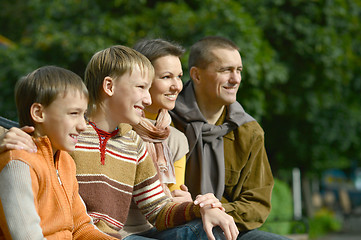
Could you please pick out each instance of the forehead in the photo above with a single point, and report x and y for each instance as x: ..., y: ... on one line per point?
x: 73, y: 96
x: 226, y: 57
x: 137, y: 76
x: 168, y: 59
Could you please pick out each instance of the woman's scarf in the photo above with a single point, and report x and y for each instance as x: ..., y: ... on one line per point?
x: 205, y: 170
x: 154, y: 136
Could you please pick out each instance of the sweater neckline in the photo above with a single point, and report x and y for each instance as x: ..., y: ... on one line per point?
x: 103, y: 136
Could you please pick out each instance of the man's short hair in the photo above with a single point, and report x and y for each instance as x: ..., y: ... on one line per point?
x: 201, y: 52
x: 43, y: 86
x: 114, y: 62
x: 156, y: 48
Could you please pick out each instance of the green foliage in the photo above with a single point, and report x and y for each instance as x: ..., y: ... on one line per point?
x: 314, y: 117
x: 301, y: 77
x: 322, y: 223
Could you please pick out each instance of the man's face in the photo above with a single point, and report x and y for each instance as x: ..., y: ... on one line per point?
x: 131, y: 96
x: 219, y: 81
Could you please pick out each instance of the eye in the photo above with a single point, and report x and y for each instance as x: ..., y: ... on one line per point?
x: 180, y: 76
x: 166, y: 77
x: 225, y: 70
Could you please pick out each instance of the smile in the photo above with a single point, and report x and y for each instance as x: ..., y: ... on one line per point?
x: 171, y: 96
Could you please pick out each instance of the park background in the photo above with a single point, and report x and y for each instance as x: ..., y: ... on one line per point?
x: 301, y: 77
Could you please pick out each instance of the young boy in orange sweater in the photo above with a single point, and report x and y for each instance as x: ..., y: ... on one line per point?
x: 38, y: 191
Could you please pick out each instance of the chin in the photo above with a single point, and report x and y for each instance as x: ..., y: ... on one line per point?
x: 134, y: 121
x: 169, y: 106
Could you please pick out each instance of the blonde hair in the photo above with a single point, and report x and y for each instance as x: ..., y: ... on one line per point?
x: 114, y: 62
x: 43, y: 86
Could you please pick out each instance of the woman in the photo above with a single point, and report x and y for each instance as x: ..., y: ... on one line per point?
x: 167, y: 145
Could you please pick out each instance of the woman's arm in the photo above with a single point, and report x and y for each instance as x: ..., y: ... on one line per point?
x: 17, y: 138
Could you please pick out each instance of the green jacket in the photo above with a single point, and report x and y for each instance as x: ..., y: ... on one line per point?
x: 248, y: 177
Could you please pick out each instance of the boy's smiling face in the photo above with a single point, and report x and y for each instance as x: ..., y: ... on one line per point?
x: 63, y: 120
x: 131, y: 96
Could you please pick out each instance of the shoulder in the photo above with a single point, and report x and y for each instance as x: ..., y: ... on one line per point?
x: 66, y: 158
x: 177, y: 135
x: 251, y: 128
x: 127, y: 133
x: 30, y: 159
x: 249, y: 132
x: 128, y: 141
x: 178, y: 143
x: 124, y: 129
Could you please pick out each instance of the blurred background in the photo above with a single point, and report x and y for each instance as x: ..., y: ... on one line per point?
x: 301, y: 81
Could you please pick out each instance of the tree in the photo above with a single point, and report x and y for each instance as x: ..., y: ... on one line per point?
x: 315, y: 115
x: 301, y: 76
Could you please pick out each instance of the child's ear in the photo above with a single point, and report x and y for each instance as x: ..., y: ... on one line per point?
x: 108, y: 86
x: 194, y: 74
x: 37, y: 112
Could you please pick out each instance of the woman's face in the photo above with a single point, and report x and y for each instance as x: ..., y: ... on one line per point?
x: 167, y: 83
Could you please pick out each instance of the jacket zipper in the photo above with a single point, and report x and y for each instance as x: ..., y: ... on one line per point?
x: 57, y: 174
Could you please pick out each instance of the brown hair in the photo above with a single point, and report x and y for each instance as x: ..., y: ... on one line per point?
x: 201, y: 52
x: 43, y: 86
x: 156, y: 48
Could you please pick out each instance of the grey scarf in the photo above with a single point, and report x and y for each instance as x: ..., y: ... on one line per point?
x: 205, y: 160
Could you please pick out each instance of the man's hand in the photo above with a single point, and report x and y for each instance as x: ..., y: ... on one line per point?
x: 17, y: 138
x: 213, y: 217
x: 182, y: 195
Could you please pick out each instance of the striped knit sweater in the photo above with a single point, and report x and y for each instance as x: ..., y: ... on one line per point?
x: 126, y: 173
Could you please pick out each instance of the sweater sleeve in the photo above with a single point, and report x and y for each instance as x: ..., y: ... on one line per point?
x: 17, y: 199
x: 151, y: 200
x: 83, y: 225
x: 248, y: 192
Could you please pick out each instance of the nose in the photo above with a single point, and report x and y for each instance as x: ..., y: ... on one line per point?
x: 177, y: 85
x: 147, y: 100
x: 236, y: 77
x: 82, y: 124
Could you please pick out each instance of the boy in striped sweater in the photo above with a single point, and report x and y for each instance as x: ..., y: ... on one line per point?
x: 113, y: 166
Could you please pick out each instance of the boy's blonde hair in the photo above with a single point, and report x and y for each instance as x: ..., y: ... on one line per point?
x: 113, y: 62
x: 43, y: 86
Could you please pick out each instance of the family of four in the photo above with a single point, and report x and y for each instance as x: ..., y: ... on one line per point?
x: 150, y: 160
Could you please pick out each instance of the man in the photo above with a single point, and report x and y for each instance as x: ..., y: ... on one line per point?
x: 227, y: 155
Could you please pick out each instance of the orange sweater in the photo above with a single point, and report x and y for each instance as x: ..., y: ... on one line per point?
x: 61, y: 213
